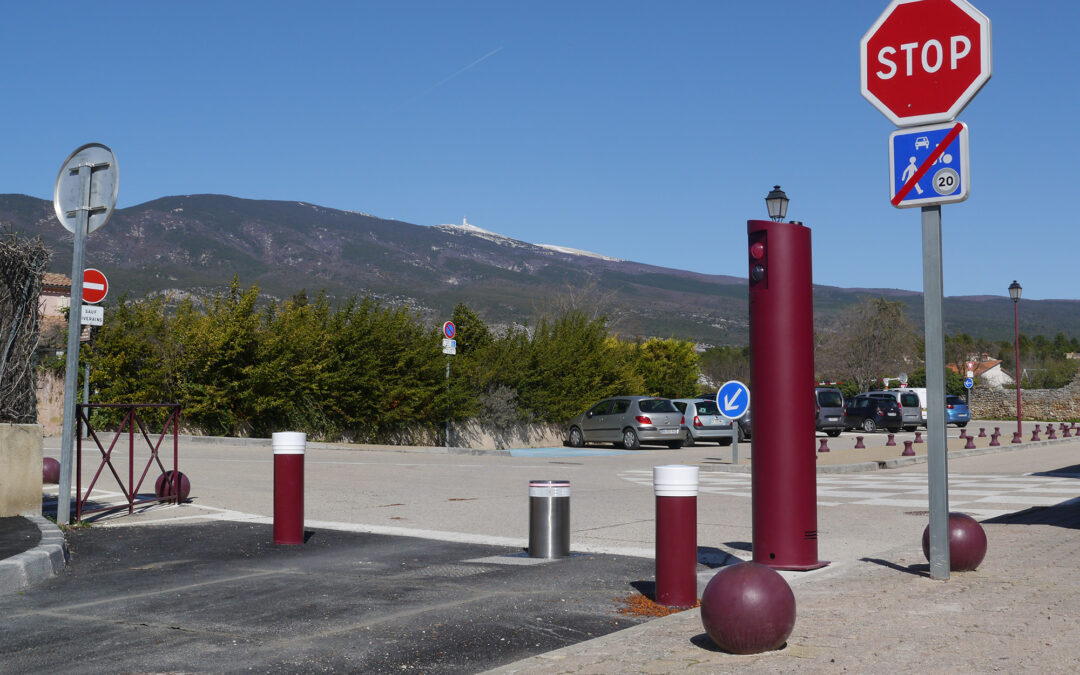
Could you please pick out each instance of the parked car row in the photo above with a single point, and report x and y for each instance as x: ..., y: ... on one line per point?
x: 630, y: 421
x: 889, y: 409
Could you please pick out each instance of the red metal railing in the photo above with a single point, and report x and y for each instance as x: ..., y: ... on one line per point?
x: 129, y: 424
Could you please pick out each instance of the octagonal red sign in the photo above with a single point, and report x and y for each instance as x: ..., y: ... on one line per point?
x: 923, y: 60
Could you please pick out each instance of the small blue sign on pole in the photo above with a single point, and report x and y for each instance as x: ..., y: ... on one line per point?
x: 733, y: 399
x: 968, y: 383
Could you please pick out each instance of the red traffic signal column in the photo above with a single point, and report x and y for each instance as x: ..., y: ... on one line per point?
x: 923, y: 60
x: 784, y: 478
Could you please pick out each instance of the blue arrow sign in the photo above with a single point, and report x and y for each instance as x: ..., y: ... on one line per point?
x: 929, y: 165
x: 969, y: 383
x: 733, y: 399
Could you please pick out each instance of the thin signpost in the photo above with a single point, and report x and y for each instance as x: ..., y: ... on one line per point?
x: 449, y: 348
x: 84, y: 199
x: 930, y: 90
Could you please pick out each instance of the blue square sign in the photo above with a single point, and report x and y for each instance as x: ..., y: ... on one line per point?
x: 929, y: 165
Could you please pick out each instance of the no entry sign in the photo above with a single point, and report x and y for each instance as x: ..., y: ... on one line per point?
x: 923, y: 60
x: 95, y: 285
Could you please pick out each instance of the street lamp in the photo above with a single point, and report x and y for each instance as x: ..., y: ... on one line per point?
x: 776, y: 201
x: 1014, y: 293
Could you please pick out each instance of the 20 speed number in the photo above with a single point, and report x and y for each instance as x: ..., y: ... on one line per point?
x: 946, y: 181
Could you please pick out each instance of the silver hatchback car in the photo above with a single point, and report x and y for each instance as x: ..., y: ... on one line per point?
x: 702, y: 421
x: 628, y: 421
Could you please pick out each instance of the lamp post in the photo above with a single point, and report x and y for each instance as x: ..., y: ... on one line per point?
x: 776, y: 201
x: 1014, y: 293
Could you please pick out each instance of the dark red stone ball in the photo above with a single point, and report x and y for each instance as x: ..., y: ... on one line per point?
x: 164, y: 485
x: 50, y: 470
x: 748, y: 608
x: 967, y: 542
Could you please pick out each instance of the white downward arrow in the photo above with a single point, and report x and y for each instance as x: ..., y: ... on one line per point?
x: 729, y: 401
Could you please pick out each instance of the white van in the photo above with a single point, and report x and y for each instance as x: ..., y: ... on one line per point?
x: 921, y: 392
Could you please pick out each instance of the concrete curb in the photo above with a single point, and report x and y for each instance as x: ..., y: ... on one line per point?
x: 896, y: 462
x: 42, y: 562
x: 266, y: 443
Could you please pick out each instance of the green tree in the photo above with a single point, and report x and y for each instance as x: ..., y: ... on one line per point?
x: 571, y: 363
x: 134, y: 358
x: 218, y: 350
x: 870, y: 340
x: 668, y: 367
x: 723, y: 363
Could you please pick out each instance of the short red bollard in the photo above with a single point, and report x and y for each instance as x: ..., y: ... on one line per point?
x: 994, y: 439
x: 982, y: 432
x: 1065, y: 432
x: 824, y: 447
x: 970, y: 445
x: 892, y: 440
x: 289, y: 448
x: 908, y: 450
x: 858, y: 443
x: 1035, y: 434
x: 918, y: 437
x: 1017, y: 438
x: 1050, y: 434
x: 676, y: 488
x: 963, y: 433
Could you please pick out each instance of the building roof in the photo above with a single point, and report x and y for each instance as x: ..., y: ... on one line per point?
x: 54, y: 280
x: 980, y: 367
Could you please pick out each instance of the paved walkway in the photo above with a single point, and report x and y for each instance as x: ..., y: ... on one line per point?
x: 1019, y: 612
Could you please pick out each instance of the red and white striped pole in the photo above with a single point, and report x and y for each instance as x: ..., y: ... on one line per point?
x: 676, y: 488
x: 289, y: 448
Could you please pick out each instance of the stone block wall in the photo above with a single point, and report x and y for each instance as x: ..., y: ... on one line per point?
x: 20, y: 470
x: 1044, y: 405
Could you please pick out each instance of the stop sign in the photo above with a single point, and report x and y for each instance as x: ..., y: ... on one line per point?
x: 94, y: 285
x: 923, y: 60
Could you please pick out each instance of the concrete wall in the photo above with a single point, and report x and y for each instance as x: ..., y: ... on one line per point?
x: 479, y: 436
x: 20, y: 470
x: 1043, y: 405
x: 50, y: 403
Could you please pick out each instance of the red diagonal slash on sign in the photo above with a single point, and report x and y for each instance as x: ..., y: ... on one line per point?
x: 902, y: 193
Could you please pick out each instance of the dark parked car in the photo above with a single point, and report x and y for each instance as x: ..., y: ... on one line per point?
x: 628, y: 421
x: 956, y: 411
x: 910, y: 405
x: 829, y: 410
x: 870, y: 414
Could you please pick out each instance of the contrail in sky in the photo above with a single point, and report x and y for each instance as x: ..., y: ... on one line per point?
x: 446, y: 79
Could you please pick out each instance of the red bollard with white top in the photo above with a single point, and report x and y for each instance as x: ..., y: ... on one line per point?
x: 676, y: 489
x: 289, y: 449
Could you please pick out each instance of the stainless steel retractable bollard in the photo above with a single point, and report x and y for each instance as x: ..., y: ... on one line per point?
x: 549, y: 518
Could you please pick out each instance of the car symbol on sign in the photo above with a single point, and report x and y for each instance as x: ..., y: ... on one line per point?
x: 922, y: 142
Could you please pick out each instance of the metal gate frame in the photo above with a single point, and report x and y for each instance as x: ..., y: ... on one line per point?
x: 131, y: 419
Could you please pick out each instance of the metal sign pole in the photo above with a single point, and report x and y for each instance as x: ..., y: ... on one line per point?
x: 447, y: 402
x: 937, y: 468
x: 71, y: 373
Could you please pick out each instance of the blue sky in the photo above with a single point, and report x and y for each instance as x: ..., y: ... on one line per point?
x: 648, y: 131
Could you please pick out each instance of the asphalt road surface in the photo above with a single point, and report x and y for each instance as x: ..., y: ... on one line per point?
x: 219, y: 597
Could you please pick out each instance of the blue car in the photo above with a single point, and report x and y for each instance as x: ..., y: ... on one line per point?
x: 956, y: 411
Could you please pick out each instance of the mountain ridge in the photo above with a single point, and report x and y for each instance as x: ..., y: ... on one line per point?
x: 193, y: 243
